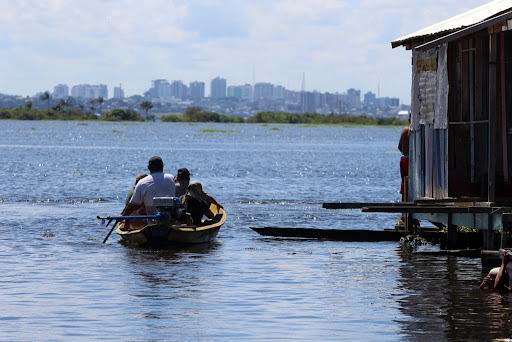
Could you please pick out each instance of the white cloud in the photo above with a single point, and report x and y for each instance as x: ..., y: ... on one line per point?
x: 338, y: 44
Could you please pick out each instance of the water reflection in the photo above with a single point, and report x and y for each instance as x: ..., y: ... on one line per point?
x: 168, y: 283
x: 444, y: 302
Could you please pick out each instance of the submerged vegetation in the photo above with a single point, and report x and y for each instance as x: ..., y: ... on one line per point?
x: 218, y: 131
x: 194, y: 114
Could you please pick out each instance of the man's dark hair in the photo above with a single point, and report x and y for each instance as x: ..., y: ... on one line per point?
x: 155, y: 164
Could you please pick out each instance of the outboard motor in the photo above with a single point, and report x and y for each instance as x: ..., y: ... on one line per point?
x: 168, y: 209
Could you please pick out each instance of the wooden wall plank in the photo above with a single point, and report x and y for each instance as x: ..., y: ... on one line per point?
x: 503, y: 108
x: 491, y: 183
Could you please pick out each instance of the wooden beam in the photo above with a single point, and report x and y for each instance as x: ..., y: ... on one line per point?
x: 491, y: 153
x: 503, y: 107
x: 358, y: 205
x: 436, y: 209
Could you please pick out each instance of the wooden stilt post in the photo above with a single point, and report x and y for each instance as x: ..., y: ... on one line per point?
x: 506, y: 223
x: 451, y: 239
x: 406, y: 216
x: 489, y: 234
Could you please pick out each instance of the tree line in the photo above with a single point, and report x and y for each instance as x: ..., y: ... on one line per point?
x: 24, y: 113
x: 197, y: 114
x: 64, y: 110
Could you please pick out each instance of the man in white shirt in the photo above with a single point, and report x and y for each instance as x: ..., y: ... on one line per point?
x: 157, y: 184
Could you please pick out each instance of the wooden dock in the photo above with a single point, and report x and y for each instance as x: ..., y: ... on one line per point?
x: 488, y: 217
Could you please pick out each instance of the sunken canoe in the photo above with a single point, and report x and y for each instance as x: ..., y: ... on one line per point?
x: 158, y: 235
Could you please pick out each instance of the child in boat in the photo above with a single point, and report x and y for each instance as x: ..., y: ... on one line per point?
x: 130, y: 193
x: 197, y: 202
x: 182, y: 182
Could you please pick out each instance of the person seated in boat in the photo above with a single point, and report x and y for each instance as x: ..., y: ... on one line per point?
x: 197, y: 202
x: 182, y: 181
x: 130, y: 193
x: 157, y: 184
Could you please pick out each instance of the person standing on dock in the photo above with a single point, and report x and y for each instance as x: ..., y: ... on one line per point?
x: 403, y: 146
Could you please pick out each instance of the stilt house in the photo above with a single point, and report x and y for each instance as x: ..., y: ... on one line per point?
x: 460, y: 157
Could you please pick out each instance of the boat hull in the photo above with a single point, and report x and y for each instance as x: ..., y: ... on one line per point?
x: 158, y: 235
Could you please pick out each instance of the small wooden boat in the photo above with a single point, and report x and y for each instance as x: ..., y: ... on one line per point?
x: 162, y: 235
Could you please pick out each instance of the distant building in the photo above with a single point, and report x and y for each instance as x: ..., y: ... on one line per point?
x: 178, y: 89
x: 196, y: 90
x: 243, y: 92
x: 279, y: 92
x: 118, y: 92
x: 263, y: 91
x: 87, y: 91
x: 218, y: 88
x: 388, y: 102
x: 160, y: 89
x: 234, y: 91
x: 247, y: 92
x: 60, y: 91
x: 369, y: 98
x: 308, y: 102
x: 354, y: 98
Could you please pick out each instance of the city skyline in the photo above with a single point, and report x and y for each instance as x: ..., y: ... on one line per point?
x: 336, y: 44
x: 177, y: 89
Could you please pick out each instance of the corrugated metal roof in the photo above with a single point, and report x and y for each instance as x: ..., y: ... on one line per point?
x: 460, y: 21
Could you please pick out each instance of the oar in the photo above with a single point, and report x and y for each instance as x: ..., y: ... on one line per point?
x: 115, y: 224
x: 111, y: 230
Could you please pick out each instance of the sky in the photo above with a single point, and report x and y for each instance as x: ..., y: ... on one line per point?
x: 323, y: 45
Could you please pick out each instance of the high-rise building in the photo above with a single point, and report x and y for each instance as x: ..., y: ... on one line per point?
x: 308, y: 104
x: 388, y: 102
x: 246, y: 92
x: 218, y: 87
x: 242, y: 92
x: 178, y: 90
x: 196, y: 90
x: 263, y: 91
x: 160, y: 89
x: 369, y: 98
x: 87, y: 91
x: 234, y: 91
x: 118, y: 92
x: 354, y: 98
x: 279, y: 92
x: 60, y: 91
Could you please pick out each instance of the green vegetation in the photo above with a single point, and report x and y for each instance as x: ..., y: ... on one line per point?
x: 317, y: 119
x: 218, y: 131
x: 25, y: 113
x: 198, y: 114
x: 60, y: 112
x: 121, y: 114
x: 63, y: 110
x: 146, y: 106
